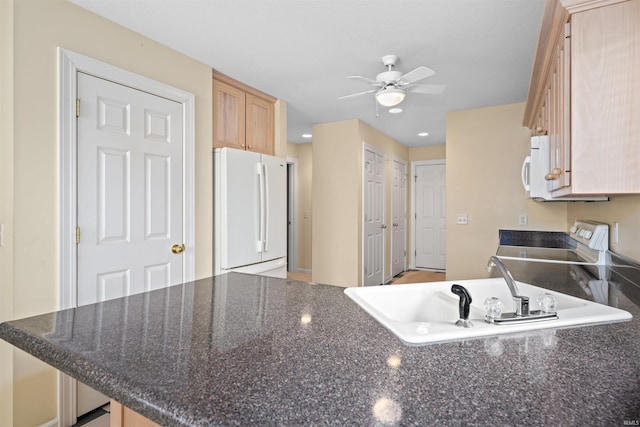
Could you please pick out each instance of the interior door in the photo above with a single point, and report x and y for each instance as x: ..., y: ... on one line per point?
x: 399, y: 220
x: 430, y: 226
x: 130, y: 196
x: 373, y: 218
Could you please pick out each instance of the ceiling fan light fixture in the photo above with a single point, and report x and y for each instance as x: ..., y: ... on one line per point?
x: 390, y: 97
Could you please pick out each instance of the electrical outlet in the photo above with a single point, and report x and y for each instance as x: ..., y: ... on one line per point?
x: 462, y: 219
x: 523, y: 220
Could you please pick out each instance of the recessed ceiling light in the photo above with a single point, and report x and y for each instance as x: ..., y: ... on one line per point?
x: 395, y: 110
x: 423, y: 134
x: 306, y: 135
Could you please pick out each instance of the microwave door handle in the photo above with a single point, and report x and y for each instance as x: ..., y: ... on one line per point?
x: 525, y: 174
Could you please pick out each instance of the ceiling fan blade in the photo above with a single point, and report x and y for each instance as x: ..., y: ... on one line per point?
x: 365, y: 79
x: 428, y: 89
x: 415, y: 75
x: 358, y: 94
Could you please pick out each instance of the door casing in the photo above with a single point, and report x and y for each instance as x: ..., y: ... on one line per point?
x: 70, y: 63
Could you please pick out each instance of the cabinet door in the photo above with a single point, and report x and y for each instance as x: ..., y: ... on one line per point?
x: 121, y: 416
x: 606, y: 99
x: 259, y: 125
x: 228, y: 116
x: 560, y: 121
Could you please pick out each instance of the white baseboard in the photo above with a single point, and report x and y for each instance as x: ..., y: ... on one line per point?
x: 50, y: 423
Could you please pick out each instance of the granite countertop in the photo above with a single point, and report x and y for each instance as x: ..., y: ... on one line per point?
x: 239, y: 349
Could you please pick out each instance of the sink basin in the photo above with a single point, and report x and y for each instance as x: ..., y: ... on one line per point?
x: 422, y: 313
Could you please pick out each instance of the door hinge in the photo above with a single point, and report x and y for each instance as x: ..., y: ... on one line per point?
x: 78, y: 107
x: 77, y: 235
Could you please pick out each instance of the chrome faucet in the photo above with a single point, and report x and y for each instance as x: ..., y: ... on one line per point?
x: 521, y: 301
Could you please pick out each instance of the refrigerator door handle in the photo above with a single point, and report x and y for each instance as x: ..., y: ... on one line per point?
x: 260, y: 242
x: 265, y: 217
x: 262, y: 171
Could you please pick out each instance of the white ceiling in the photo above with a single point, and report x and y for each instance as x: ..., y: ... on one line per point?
x: 301, y: 51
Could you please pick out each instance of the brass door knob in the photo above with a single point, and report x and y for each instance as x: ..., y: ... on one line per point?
x: 177, y: 249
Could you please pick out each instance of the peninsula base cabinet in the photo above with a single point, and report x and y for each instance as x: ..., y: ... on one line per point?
x: 585, y: 94
x: 121, y: 416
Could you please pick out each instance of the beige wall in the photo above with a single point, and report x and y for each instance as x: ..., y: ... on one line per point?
x: 625, y: 210
x: 336, y: 201
x: 429, y: 152
x: 337, y: 198
x: 302, y: 153
x: 280, y: 129
x: 484, y: 151
x: 29, y: 177
x: 6, y: 206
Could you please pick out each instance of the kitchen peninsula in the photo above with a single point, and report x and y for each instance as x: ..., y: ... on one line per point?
x: 240, y: 349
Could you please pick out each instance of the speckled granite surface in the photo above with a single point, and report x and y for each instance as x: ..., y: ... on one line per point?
x: 247, y: 350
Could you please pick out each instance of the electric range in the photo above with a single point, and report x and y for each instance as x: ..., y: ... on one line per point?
x: 585, y: 243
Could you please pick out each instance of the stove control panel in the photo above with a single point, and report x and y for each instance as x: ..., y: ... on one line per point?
x: 595, y: 235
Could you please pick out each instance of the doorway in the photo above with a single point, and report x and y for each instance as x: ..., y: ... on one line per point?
x: 75, y: 68
x: 429, y: 209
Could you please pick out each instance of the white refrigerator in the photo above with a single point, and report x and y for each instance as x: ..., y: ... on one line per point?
x: 250, y: 213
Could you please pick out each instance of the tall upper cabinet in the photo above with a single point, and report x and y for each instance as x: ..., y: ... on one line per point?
x: 585, y: 94
x: 243, y: 117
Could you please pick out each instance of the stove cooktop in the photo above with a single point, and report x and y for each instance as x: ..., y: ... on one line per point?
x: 591, y: 244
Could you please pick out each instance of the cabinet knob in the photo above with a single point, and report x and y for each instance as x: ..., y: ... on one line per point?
x: 249, y: 147
x: 553, y: 175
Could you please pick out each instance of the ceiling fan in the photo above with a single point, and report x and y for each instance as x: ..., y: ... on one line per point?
x: 392, y: 86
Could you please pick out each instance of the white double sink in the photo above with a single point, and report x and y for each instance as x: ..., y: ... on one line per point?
x: 423, y: 313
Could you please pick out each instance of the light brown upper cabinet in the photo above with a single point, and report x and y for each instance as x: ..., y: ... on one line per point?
x: 243, y: 117
x: 585, y: 95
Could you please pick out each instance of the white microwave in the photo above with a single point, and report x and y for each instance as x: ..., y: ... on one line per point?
x: 536, y: 166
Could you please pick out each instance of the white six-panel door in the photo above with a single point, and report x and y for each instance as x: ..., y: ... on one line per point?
x: 430, y: 222
x: 129, y: 191
x: 399, y: 220
x: 130, y: 196
x: 373, y: 217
